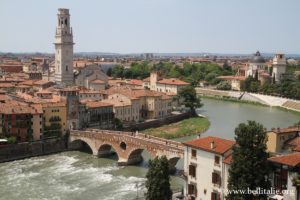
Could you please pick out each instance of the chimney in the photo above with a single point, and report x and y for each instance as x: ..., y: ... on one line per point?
x: 212, y: 145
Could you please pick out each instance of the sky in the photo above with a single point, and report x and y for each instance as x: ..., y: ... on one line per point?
x: 156, y: 26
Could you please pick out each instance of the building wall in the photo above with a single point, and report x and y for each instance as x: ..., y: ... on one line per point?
x: 56, y: 111
x: 37, y: 126
x: 272, y: 142
x: 276, y: 141
x: 205, y: 166
x: 97, y: 86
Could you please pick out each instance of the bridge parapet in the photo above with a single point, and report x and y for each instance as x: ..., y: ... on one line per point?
x: 128, y: 145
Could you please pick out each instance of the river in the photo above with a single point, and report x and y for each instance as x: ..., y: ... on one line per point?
x: 77, y: 175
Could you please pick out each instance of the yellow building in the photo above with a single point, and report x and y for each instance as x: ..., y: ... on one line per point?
x: 278, y: 138
x: 55, y: 113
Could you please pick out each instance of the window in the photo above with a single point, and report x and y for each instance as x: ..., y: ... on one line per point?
x: 194, y: 153
x: 67, y: 69
x: 216, y: 178
x: 192, y: 189
x: 192, y: 170
x: 215, y: 196
x: 217, y: 160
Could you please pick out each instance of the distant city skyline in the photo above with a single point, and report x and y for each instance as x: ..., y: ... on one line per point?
x: 155, y: 26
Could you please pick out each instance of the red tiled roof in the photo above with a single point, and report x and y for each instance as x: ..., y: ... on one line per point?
x: 172, y: 81
x: 286, y: 130
x: 220, y: 145
x: 240, y: 78
x: 294, y: 142
x: 98, y: 82
x: 96, y: 104
x: 135, y: 82
x: 292, y: 159
x: 228, y: 159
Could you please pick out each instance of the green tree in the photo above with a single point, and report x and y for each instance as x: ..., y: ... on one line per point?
x: 158, y: 180
x: 190, y: 99
x: 109, y: 72
x: 224, y: 85
x: 118, y: 124
x: 117, y: 71
x: 249, y: 168
x: 12, y: 140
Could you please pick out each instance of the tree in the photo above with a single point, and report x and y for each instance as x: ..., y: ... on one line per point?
x: 118, y: 124
x: 249, y: 168
x: 189, y: 98
x: 109, y: 72
x: 224, y: 85
x: 158, y: 180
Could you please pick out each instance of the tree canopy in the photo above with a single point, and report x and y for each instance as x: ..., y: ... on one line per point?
x: 249, y: 157
x: 158, y: 180
x: 189, y: 98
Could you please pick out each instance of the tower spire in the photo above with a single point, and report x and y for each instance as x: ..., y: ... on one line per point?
x: 63, y: 48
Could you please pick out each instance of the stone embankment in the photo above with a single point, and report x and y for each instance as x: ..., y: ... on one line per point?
x: 289, y: 104
x: 27, y: 150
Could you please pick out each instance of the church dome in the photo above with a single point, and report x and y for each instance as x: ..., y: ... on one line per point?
x: 257, y: 58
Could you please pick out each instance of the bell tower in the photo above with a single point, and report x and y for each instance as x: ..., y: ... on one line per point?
x: 64, y: 49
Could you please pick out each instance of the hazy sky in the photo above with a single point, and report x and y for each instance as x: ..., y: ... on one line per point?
x: 133, y: 26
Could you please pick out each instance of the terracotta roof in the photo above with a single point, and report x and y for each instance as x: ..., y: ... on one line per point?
x: 286, y: 130
x: 117, y: 103
x: 294, y: 142
x: 172, y: 81
x: 6, y: 85
x: 297, y: 148
x: 92, y: 92
x: 240, y: 78
x: 228, y: 160
x: 220, y: 145
x: 13, y: 107
x: 98, y: 82
x: 42, y: 82
x: 146, y: 79
x: 96, y: 104
x: 135, y: 82
x: 49, y: 105
x: 292, y: 159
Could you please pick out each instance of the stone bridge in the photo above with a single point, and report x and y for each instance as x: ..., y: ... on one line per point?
x: 127, y: 145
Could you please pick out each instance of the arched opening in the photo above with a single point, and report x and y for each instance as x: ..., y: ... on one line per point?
x: 173, y: 162
x: 123, y: 145
x: 107, y: 151
x: 80, y: 145
x: 139, y: 156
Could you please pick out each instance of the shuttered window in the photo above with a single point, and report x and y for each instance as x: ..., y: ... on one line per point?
x: 192, y: 170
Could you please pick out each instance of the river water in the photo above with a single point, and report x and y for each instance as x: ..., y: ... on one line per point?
x: 77, y: 175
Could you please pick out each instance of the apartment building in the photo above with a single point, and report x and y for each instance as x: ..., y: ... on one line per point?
x: 156, y: 83
x: 96, y: 114
x: 278, y: 138
x: 205, y: 167
x: 55, y: 115
x: 21, y: 120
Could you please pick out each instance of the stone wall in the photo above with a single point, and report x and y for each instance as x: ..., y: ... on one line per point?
x: 158, y: 122
x: 26, y: 150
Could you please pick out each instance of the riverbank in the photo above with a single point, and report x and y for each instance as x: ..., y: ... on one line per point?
x: 186, y: 127
x: 246, y: 97
x: 235, y: 100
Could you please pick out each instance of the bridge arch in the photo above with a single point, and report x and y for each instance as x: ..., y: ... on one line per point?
x: 83, y: 144
x: 172, y: 163
x: 107, y: 150
x: 135, y: 155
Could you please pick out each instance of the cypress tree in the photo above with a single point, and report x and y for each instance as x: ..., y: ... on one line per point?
x: 158, y: 180
x: 249, y: 168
